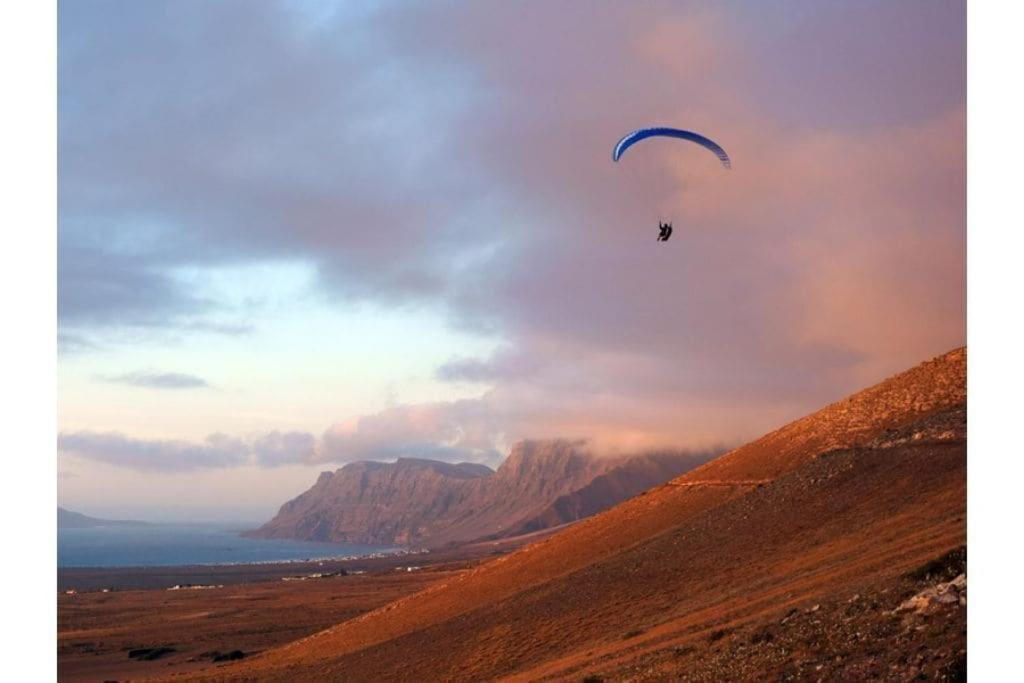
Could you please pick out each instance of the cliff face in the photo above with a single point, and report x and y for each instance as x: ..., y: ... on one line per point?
x: 423, y: 502
x: 625, y: 480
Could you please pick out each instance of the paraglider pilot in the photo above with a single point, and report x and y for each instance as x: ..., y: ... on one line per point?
x: 643, y: 133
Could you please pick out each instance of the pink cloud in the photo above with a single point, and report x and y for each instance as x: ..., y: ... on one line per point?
x: 471, y: 172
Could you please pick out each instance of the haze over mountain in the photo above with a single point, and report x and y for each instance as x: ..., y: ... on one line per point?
x: 68, y: 519
x: 816, y: 551
x: 542, y: 484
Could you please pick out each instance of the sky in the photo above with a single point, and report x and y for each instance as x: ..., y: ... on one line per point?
x: 298, y: 234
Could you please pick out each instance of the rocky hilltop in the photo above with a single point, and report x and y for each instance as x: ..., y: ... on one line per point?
x: 542, y: 484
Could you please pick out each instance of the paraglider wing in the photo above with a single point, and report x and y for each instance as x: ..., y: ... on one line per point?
x: 644, y: 133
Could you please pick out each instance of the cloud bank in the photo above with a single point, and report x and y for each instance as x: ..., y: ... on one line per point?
x: 172, y: 455
x: 430, y: 156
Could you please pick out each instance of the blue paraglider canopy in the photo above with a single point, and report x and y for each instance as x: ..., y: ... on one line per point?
x: 644, y: 133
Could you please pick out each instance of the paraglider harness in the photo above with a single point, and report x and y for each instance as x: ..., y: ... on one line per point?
x: 666, y: 231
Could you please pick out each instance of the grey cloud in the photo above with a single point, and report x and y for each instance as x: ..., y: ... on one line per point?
x: 454, y: 432
x: 283, y: 448
x: 269, y: 141
x: 168, y: 455
x: 178, y: 455
x: 507, y: 364
x: 159, y: 380
x: 97, y: 286
x: 425, y: 155
x: 70, y: 343
x: 469, y: 430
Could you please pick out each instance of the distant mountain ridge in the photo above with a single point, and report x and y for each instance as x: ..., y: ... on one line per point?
x: 542, y: 484
x: 69, y: 519
x: 790, y: 557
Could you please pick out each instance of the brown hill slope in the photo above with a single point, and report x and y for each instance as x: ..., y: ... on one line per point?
x: 846, y: 499
x: 541, y: 484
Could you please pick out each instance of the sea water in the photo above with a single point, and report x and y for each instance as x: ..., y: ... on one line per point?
x: 187, y: 544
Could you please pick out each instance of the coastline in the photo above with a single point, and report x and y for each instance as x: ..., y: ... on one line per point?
x: 196, y: 546
x: 302, y: 560
x: 84, y: 579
